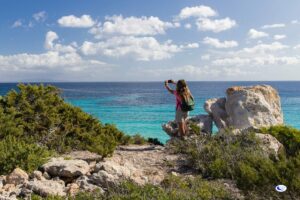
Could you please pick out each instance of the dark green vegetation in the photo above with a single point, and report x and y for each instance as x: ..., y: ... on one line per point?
x: 36, y: 121
x: 240, y: 158
x: 288, y: 136
x: 173, y: 188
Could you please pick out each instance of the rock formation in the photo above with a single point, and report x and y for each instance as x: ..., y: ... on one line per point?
x: 216, y: 108
x: 246, y: 107
x: 256, y: 106
x: 204, y: 122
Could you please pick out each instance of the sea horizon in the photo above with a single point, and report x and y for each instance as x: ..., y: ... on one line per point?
x: 142, y: 108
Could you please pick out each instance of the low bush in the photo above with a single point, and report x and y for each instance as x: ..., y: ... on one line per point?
x: 240, y: 158
x: 17, y: 153
x: 41, y: 119
x: 174, y: 188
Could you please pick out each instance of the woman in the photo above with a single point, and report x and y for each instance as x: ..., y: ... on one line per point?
x: 182, y: 94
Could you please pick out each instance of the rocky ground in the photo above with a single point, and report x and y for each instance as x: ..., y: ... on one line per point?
x: 85, y: 171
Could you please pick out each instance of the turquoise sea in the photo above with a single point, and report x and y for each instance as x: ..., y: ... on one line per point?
x: 141, y: 107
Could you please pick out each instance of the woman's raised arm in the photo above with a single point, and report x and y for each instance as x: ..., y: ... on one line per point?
x: 168, y: 88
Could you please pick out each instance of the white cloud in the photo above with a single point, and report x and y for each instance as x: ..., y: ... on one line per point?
x: 40, y: 16
x: 254, y: 34
x: 268, y: 26
x: 50, y: 38
x: 17, y: 23
x: 279, y: 37
x: 295, y: 22
x: 85, y: 21
x: 44, y: 61
x: 188, y: 26
x: 262, y: 48
x: 190, y: 46
x: 138, y: 26
x: 205, y: 57
x: 217, y: 25
x: 50, y: 45
x: 297, y: 46
x: 197, y: 11
x: 139, y: 48
x: 258, y: 55
x: 218, y: 44
x: 258, y: 61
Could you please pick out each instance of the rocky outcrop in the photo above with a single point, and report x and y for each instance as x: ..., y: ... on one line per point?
x: 244, y: 108
x: 204, y: 122
x: 269, y: 144
x: 66, y: 168
x: 254, y: 106
x: 216, y: 108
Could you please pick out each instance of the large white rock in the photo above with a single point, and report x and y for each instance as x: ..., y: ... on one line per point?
x: 254, y: 106
x: 204, y: 122
x: 216, y: 108
x: 66, y: 168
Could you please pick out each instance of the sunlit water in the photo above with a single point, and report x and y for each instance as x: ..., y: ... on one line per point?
x: 143, y: 107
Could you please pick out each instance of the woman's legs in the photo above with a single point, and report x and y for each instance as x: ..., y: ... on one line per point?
x: 182, y: 128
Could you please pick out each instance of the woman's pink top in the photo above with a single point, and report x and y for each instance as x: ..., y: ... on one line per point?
x: 178, y: 100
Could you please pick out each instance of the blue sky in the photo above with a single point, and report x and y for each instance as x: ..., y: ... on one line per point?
x: 135, y: 40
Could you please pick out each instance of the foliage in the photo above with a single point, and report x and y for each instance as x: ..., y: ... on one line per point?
x: 38, y: 114
x: 16, y: 153
x: 240, y: 158
x: 139, y: 140
x: 174, y: 188
x: 288, y: 136
x: 155, y: 141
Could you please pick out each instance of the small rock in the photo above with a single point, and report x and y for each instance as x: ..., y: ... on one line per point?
x: 46, y: 176
x: 18, y: 176
x: 2, y: 181
x: 86, y: 185
x: 47, y: 187
x: 66, y: 168
x: 72, y: 189
x: 38, y: 175
x: 174, y: 173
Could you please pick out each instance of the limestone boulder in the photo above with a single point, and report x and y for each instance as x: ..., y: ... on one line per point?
x: 253, y: 106
x: 204, y: 122
x: 269, y: 144
x: 17, y: 177
x: 47, y: 187
x: 66, y: 168
x: 216, y: 109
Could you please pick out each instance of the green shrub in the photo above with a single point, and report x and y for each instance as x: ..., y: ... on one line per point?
x: 288, y: 136
x: 174, y: 188
x: 240, y: 158
x: 37, y: 113
x: 17, y: 153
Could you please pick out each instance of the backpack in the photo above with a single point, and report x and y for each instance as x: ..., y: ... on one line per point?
x: 188, y: 104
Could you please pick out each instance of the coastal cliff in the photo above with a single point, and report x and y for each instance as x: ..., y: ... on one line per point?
x: 242, y: 161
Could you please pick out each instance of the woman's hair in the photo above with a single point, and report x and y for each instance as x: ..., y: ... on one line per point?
x: 182, y: 89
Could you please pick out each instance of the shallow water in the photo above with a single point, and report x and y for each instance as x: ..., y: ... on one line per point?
x: 142, y: 107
